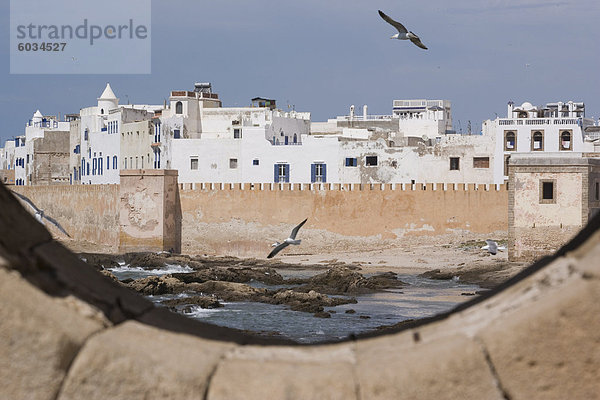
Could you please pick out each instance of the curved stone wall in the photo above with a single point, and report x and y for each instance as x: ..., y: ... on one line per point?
x: 66, y: 332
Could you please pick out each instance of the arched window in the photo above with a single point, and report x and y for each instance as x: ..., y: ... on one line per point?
x: 510, y: 141
x: 114, y: 162
x: 179, y: 108
x: 522, y: 114
x: 295, y: 138
x: 85, y: 134
x: 102, y: 111
x: 537, y: 141
x: 566, y: 142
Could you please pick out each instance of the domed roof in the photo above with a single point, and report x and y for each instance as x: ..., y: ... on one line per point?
x: 527, y: 106
x: 108, y: 94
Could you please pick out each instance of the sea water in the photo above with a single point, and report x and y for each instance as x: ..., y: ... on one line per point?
x: 420, y: 298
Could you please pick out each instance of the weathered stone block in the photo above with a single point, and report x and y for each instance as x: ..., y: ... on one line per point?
x: 134, y: 361
x: 551, y: 350
x: 39, y: 337
x: 452, y: 367
x: 286, y: 373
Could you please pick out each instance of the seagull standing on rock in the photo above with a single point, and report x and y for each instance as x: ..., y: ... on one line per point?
x: 403, y: 33
x: 291, y: 240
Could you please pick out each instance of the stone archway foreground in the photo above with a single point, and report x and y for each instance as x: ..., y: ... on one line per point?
x: 66, y: 332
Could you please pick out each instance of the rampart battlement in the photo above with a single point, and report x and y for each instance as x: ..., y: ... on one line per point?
x: 346, y: 187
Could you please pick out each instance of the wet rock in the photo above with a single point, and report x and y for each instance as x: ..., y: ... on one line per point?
x: 202, y: 301
x: 467, y: 294
x: 100, y: 261
x: 109, y: 275
x: 486, y: 275
x: 322, y: 314
x: 364, y: 317
x: 350, y: 311
x: 241, y: 275
x: 157, y: 285
x: 343, y: 280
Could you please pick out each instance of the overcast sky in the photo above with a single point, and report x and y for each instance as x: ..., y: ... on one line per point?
x: 323, y: 56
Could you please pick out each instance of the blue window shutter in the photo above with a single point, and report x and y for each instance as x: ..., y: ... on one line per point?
x: 287, y: 173
x: 313, y: 172
x: 324, y: 173
x: 276, y: 178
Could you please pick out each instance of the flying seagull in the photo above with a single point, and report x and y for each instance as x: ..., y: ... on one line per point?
x: 403, y: 33
x: 39, y: 214
x: 291, y: 240
x: 492, y: 247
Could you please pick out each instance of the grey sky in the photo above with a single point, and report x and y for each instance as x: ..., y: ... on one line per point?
x: 324, y: 56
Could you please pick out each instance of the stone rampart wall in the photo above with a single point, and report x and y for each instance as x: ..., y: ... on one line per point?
x: 89, y: 213
x: 243, y: 220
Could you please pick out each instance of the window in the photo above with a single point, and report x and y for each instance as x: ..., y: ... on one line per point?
x: 565, y: 140
x: 371, y: 161
x: 136, y: 162
x: 176, y: 134
x: 285, y: 140
x: 255, y: 162
x: 481, y: 162
x: 282, y: 173
x: 193, y: 163
x: 114, y: 162
x: 237, y: 133
x: 547, y: 191
x: 94, y: 166
x: 537, y: 141
x: 295, y: 138
x: 506, y: 162
x: 351, y: 162
x: 107, y: 162
x: 597, y: 191
x: 125, y: 165
x: 510, y: 141
x: 100, y: 169
x: 454, y: 163
x: 85, y: 134
x: 318, y: 173
x: 179, y: 108
x: 233, y: 163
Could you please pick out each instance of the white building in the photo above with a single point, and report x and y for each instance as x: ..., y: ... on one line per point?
x: 28, y: 155
x: 111, y: 138
x: 555, y: 128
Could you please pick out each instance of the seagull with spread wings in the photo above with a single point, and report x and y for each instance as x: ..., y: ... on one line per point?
x: 291, y: 240
x: 492, y: 247
x: 39, y: 214
x: 403, y: 33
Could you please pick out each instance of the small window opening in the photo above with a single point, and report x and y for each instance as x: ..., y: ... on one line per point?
x: 454, y: 163
x: 371, y: 161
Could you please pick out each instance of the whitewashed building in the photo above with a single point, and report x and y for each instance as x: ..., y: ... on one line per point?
x: 558, y: 127
x: 39, y: 156
x: 111, y: 137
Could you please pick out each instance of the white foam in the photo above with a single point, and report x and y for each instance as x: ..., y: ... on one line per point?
x: 169, y: 269
x: 199, y: 312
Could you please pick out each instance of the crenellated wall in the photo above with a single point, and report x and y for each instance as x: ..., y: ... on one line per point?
x: 244, y: 219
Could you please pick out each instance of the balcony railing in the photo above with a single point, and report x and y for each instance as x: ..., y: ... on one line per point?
x: 538, y: 121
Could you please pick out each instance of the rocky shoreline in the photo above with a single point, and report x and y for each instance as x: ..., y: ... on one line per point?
x: 217, y: 279
x: 212, y: 280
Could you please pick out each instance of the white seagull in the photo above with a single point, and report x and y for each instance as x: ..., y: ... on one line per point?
x: 492, y: 247
x: 291, y: 240
x: 39, y: 214
x: 403, y: 33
